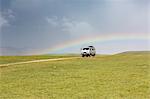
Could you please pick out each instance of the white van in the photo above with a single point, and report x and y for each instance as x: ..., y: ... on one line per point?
x: 88, y: 51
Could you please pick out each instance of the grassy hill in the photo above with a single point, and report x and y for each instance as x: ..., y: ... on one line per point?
x: 13, y: 59
x: 136, y: 52
x: 120, y: 76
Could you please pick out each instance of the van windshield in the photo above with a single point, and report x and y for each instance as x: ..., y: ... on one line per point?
x: 85, y: 48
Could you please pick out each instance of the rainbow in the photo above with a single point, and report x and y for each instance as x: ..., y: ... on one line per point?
x: 94, y: 39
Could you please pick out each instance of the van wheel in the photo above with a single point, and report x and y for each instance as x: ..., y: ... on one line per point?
x: 82, y: 55
x: 87, y: 55
x: 93, y: 55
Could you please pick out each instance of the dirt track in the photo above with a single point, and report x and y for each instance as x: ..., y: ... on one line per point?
x: 35, y: 61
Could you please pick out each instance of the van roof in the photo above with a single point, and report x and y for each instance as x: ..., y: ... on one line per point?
x: 91, y: 46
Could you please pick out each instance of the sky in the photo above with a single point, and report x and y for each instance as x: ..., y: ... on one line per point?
x: 30, y: 27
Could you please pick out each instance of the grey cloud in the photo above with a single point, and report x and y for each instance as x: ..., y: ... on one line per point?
x: 3, y: 22
x: 42, y: 24
x: 78, y: 29
x: 73, y: 27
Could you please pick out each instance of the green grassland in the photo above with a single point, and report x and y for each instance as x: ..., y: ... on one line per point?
x: 12, y: 59
x: 120, y: 76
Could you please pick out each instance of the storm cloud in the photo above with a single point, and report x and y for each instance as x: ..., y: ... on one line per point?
x: 33, y: 25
